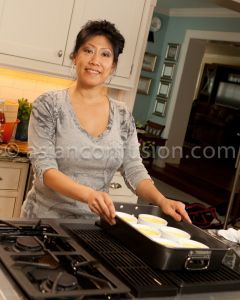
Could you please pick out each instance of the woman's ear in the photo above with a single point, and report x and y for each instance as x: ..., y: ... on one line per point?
x: 113, y: 70
x: 73, y: 58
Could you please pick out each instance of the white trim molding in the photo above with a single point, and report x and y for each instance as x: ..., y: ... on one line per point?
x: 232, y: 4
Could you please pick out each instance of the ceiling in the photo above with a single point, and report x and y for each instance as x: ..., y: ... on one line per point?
x: 200, y: 4
x: 223, y: 48
x: 170, y: 4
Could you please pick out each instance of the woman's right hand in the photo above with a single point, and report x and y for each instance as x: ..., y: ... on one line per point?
x: 101, y: 204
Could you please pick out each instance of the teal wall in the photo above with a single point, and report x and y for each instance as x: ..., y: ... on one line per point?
x: 173, y: 31
x: 144, y: 102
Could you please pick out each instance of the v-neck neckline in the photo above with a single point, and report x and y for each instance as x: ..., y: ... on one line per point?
x: 76, y: 121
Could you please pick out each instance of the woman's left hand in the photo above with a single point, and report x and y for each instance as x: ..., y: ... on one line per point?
x: 175, y: 209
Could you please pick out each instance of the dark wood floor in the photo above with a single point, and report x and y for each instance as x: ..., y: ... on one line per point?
x: 210, y: 181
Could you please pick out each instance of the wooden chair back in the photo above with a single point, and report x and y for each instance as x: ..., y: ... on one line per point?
x: 154, y: 129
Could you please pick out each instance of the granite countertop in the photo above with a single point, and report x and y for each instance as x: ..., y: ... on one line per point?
x: 15, y: 144
x: 14, y: 151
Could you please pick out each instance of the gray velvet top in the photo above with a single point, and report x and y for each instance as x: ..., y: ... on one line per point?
x: 56, y: 140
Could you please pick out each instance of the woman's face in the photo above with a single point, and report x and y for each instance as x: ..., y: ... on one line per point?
x: 94, y: 61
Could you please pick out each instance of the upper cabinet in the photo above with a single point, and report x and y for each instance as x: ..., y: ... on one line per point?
x: 40, y: 35
x: 118, y: 12
x: 35, y: 29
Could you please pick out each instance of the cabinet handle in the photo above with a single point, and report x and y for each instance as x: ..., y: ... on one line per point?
x: 115, y: 185
x: 71, y: 55
x: 60, y: 53
x: 1, y: 178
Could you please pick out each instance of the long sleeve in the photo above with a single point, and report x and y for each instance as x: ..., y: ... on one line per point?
x: 133, y: 169
x: 42, y: 137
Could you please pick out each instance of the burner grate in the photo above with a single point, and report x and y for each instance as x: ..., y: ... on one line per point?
x: 142, y: 280
x: 191, y: 282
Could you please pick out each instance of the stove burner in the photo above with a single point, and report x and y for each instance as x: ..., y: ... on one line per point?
x: 39, y: 275
x: 27, y: 243
x: 59, y: 281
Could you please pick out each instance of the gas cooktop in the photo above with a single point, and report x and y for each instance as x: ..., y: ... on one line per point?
x: 46, y: 263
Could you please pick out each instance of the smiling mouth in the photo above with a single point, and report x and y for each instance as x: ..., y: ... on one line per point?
x: 92, y: 71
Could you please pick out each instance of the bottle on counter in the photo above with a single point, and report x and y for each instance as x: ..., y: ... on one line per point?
x: 2, y: 119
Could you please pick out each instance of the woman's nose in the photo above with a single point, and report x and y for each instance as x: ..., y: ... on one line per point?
x: 94, y: 59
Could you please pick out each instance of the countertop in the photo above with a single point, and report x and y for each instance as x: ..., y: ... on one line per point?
x: 14, y: 151
x: 18, y: 146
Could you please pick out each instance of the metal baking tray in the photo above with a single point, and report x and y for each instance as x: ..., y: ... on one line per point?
x: 159, y: 256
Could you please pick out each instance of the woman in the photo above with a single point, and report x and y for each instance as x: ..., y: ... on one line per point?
x: 79, y: 138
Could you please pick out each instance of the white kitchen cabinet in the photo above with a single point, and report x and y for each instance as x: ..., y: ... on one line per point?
x: 13, y: 177
x: 118, y: 12
x: 35, y: 29
x: 7, y: 206
x: 119, y: 191
x: 39, y: 36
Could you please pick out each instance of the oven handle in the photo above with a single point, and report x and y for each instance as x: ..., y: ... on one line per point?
x: 197, y: 263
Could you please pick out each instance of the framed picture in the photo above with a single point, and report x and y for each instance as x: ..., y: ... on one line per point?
x: 172, y: 52
x: 164, y: 89
x: 168, y: 70
x: 160, y: 107
x: 144, y: 85
x: 149, y: 62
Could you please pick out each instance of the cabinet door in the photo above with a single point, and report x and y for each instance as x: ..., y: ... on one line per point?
x: 13, y: 177
x: 125, y: 14
x: 7, y: 206
x: 35, y: 29
x: 9, y: 178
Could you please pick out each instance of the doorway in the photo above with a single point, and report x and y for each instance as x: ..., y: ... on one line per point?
x: 214, y: 123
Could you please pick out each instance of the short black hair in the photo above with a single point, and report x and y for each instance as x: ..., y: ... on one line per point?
x: 104, y: 28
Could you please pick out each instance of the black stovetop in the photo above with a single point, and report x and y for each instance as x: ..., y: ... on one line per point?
x: 52, y: 260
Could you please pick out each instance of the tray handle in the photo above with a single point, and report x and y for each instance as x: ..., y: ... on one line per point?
x: 197, y: 262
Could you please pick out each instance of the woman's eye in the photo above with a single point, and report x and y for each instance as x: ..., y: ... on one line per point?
x: 107, y: 54
x: 87, y: 50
